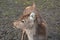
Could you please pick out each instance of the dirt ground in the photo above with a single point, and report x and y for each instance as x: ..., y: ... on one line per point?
x: 10, y: 10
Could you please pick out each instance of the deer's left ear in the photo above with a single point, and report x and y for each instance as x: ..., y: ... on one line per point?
x: 32, y: 16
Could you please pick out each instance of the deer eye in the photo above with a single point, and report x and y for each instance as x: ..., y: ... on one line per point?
x: 23, y: 21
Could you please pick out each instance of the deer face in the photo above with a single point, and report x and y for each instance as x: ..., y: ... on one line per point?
x: 27, y: 22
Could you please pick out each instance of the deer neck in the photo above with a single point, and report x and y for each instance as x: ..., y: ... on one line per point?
x: 31, y: 32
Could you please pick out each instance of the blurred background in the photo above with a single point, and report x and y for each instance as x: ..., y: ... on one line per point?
x: 10, y: 10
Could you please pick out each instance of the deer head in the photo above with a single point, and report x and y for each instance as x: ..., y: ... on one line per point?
x: 26, y: 22
x: 27, y: 19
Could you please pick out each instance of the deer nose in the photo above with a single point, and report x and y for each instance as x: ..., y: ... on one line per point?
x: 15, y: 23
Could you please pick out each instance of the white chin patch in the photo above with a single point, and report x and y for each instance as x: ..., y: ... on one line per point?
x: 32, y: 16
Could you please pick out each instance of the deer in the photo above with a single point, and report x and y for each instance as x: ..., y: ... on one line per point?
x: 32, y: 23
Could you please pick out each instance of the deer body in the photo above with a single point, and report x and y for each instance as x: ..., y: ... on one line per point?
x: 32, y: 23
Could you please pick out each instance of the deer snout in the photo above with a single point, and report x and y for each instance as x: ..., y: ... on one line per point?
x: 18, y: 24
x: 15, y: 24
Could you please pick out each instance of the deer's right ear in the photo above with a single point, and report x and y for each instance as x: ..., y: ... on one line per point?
x: 32, y: 16
x: 41, y: 21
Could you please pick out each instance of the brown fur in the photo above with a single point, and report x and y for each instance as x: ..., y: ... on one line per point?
x: 41, y: 30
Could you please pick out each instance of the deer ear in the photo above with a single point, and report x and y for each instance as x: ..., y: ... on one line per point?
x: 32, y: 16
x: 41, y: 21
